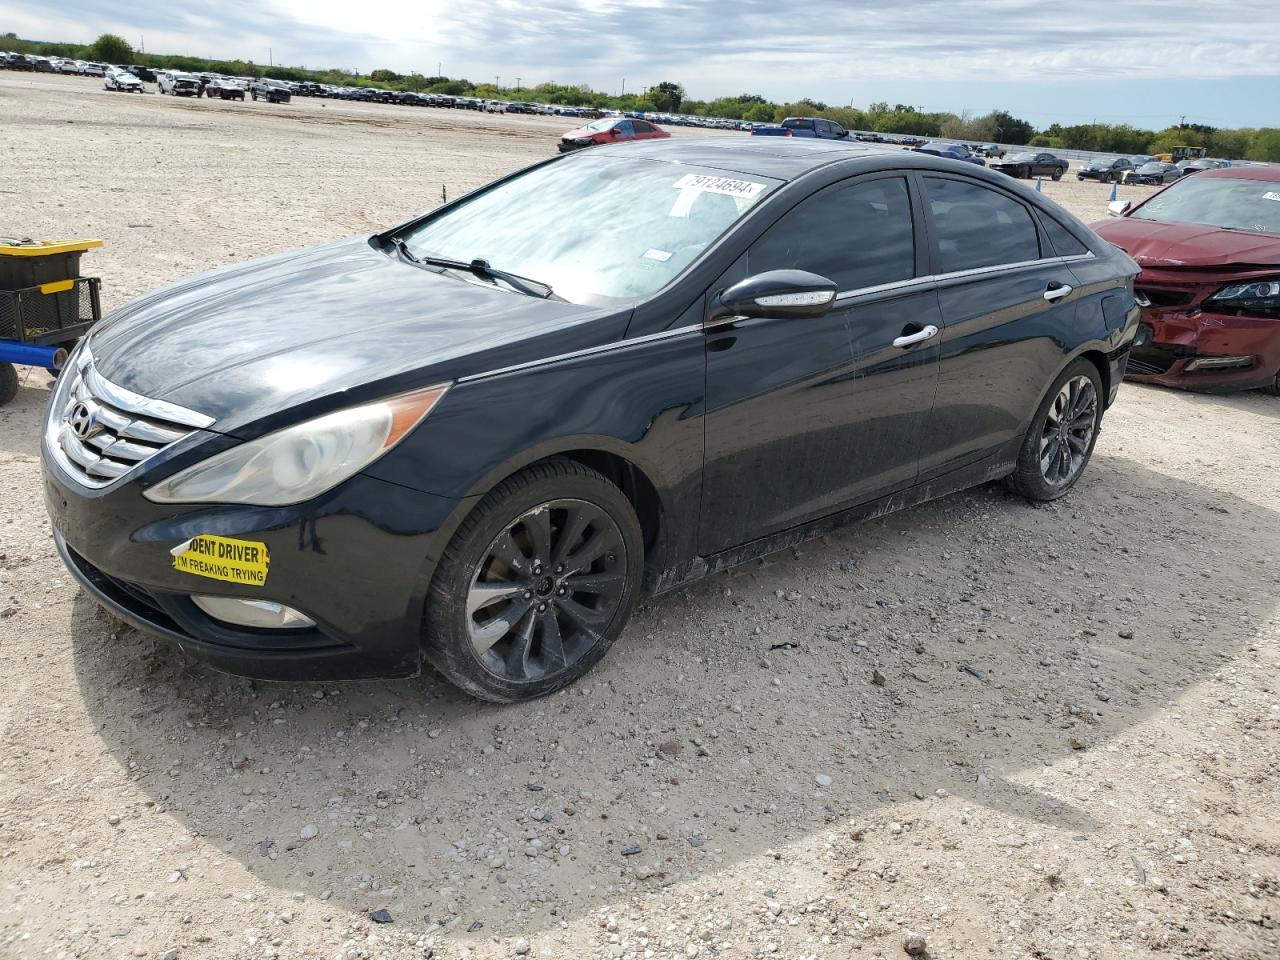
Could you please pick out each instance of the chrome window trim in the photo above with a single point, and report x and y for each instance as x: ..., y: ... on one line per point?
x: 976, y: 272
x: 585, y: 352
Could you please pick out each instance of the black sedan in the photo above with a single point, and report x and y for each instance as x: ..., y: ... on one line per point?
x: 473, y: 440
x: 1156, y: 172
x: 1026, y: 165
x: 1105, y: 169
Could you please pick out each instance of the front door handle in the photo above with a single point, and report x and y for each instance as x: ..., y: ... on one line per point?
x: 910, y: 339
x: 1056, y: 291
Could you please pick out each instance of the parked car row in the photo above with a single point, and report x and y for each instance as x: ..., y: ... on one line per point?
x: 39, y: 64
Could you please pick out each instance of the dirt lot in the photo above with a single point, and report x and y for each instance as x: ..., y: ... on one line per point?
x: 1018, y: 732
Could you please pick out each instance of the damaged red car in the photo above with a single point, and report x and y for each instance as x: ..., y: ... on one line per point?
x: 1209, y: 249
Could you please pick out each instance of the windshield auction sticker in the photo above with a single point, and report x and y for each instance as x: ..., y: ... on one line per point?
x: 725, y: 185
x: 222, y: 558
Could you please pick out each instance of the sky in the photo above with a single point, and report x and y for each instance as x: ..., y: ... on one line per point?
x: 1145, y: 62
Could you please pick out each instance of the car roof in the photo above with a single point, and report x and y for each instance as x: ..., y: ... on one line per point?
x: 1260, y: 172
x: 781, y: 158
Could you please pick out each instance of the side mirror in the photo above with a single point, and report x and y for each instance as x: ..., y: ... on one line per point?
x: 1118, y: 208
x: 777, y: 293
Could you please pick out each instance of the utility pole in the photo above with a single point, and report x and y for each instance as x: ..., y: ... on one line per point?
x: 517, y: 84
x: 439, y: 68
x: 496, y: 83
x: 270, y: 62
x: 142, y: 44
x: 624, y: 86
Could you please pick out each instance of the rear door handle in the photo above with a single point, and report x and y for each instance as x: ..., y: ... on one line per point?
x: 1056, y: 291
x: 909, y: 339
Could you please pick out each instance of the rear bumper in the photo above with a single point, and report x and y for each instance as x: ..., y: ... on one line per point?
x: 1179, y: 338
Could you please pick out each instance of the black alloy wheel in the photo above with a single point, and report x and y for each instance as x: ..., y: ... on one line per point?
x: 1059, y: 443
x: 536, y: 584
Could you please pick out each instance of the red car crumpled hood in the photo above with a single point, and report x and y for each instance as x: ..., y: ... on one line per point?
x: 1154, y: 244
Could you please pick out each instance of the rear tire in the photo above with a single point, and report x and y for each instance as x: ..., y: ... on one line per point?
x: 8, y: 383
x: 1057, y: 174
x: 1059, y: 443
x: 536, y: 584
x: 1274, y: 387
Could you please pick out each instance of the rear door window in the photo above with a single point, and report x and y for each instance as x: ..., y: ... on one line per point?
x: 857, y: 234
x: 975, y: 226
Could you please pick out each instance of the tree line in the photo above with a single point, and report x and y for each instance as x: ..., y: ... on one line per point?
x: 670, y: 97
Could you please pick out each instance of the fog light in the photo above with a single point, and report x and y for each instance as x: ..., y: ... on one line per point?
x: 262, y: 614
x: 1219, y: 363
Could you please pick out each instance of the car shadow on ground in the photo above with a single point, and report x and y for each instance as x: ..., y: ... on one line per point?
x: 966, y: 646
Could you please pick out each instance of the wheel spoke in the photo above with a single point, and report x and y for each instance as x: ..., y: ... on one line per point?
x: 553, y: 656
x: 517, y: 658
x: 575, y: 524
x: 482, y: 595
x: 505, y: 549
x: 1050, y: 456
x: 590, y: 618
x: 1083, y: 421
x: 538, y: 524
x: 485, y: 635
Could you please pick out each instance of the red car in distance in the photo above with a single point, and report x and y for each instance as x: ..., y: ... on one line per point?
x: 1209, y: 249
x: 611, y: 130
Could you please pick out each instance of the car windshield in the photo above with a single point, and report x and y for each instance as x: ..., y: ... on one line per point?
x: 1100, y: 163
x: 1023, y: 157
x: 596, y: 229
x: 1229, y: 203
x: 605, y: 123
x: 1153, y: 167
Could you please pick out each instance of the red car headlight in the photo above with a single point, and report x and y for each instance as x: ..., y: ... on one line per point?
x: 1252, y: 297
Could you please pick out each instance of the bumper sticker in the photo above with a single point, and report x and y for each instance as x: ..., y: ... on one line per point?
x: 222, y: 558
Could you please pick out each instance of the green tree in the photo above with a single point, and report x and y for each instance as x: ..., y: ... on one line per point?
x: 110, y: 48
x: 666, y: 96
x: 385, y: 76
x: 1007, y: 128
x: 1264, y: 145
x: 759, y: 113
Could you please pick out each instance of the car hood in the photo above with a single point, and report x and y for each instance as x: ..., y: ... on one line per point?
x: 248, y: 342
x: 580, y: 132
x: 1154, y: 244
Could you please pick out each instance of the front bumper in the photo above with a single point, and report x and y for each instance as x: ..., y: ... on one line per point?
x: 1175, y: 338
x: 357, y: 560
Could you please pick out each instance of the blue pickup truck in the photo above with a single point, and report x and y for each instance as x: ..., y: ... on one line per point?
x: 804, y: 127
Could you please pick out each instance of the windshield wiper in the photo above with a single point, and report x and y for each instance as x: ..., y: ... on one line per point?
x: 481, y: 268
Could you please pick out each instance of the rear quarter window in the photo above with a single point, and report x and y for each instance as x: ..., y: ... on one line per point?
x: 1062, y: 240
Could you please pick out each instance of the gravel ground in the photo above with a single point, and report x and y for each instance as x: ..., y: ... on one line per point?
x: 979, y: 728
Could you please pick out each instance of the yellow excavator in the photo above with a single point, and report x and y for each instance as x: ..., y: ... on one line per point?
x: 1182, y: 153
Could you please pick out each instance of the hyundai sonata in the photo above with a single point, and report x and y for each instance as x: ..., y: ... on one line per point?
x: 473, y: 440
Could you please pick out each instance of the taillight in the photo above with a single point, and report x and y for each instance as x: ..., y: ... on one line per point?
x: 788, y: 133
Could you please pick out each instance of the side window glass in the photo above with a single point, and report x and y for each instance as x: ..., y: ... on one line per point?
x: 1062, y: 240
x: 640, y: 126
x: 975, y: 226
x: 857, y: 234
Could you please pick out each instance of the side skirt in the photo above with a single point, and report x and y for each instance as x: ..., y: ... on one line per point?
x: 971, y: 475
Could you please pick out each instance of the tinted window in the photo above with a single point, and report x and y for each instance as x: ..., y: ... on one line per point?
x: 857, y: 234
x: 641, y: 127
x: 978, y: 227
x: 1063, y: 241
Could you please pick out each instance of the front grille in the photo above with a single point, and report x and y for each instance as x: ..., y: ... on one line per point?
x: 1166, y: 298
x: 103, y: 431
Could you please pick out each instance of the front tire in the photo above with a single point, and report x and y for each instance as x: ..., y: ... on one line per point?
x: 536, y: 584
x: 1274, y: 387
x: 8, y: 383
x: 1057, y: 174
x: 1060, y: 441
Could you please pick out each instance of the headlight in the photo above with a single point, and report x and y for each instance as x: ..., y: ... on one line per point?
x: 1250, y: 296
x: 302, y: 461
